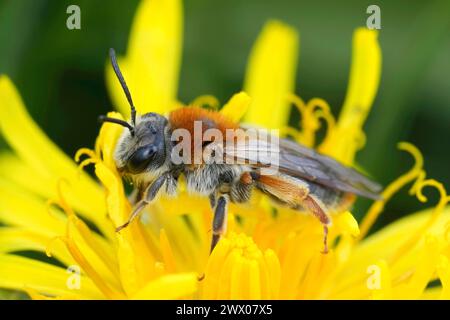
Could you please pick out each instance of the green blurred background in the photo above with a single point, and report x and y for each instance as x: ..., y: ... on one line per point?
x: 60, y: 73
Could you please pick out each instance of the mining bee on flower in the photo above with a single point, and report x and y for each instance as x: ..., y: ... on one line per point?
x: 303, y: 179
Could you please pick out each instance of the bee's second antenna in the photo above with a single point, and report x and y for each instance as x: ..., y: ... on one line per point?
x: 112, y: 55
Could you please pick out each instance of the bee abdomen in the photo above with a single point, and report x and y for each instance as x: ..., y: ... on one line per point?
x: 334, y: 200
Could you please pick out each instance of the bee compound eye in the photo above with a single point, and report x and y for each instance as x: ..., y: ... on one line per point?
x: 141, y: 158
x: 154, y: 130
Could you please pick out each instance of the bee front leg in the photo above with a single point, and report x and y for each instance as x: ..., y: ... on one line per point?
x: 150, y: 194
x: 219, y: 223
x: 137, y: 194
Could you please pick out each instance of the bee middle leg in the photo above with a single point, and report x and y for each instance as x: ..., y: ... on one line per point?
x: 219, y: 223
x: 236, y: 192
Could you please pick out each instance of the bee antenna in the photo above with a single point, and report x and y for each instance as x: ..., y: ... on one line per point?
x: 115, y: 65
x: 118, y: 121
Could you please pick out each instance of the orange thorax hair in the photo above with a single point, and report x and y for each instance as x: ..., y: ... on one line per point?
x: 185, y: 118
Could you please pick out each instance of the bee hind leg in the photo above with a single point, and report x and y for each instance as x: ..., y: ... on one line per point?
x: 314, y: 206
x: 219, y: 223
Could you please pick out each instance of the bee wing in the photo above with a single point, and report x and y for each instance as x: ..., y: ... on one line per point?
x: 299, y: 161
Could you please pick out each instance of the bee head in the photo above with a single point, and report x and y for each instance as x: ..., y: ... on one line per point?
x: 145, y: 149
x: 141, y: 148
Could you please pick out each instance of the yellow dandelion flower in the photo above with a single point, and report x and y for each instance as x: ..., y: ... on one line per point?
x: 50, y: 205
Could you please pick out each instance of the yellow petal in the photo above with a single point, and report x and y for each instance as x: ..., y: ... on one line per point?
x: 207, y: 100
x: 377, y: 207
x: 213, y: 267
x: 294, y: 261
x: 151, y: 65
x: 19, y: 239
x: 136, y: 262
x: 432, y: 294
x: 364, y: 78
x: 106, y: 142
x: 236, y: 282
x: 348, y: 137
x: 186, y: 229
x: 346, y: 223
x: 273, y: 266
x: 254, y: 280
x: 270, y: 75
x: 385, y: 286
x: 117, y: 203
x: 21, y: 208
x: 426, y: 266
x: 22, y: 273
x: 15, y: 170
x: 172, y: 286
x: 224, y: 285
x: 443, y: 270
x: 321, y: 268
x: 388, y: 239
x: 99, y: 253
x: 236, y: 107
x: 383, y: 244
x: 169, y: 260
x: 237, y: 268
x: 40, y: 153
x: 22, y: 133
x: 34, y: 295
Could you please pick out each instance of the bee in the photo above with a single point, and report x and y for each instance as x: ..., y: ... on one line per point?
x: 304, y: 179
